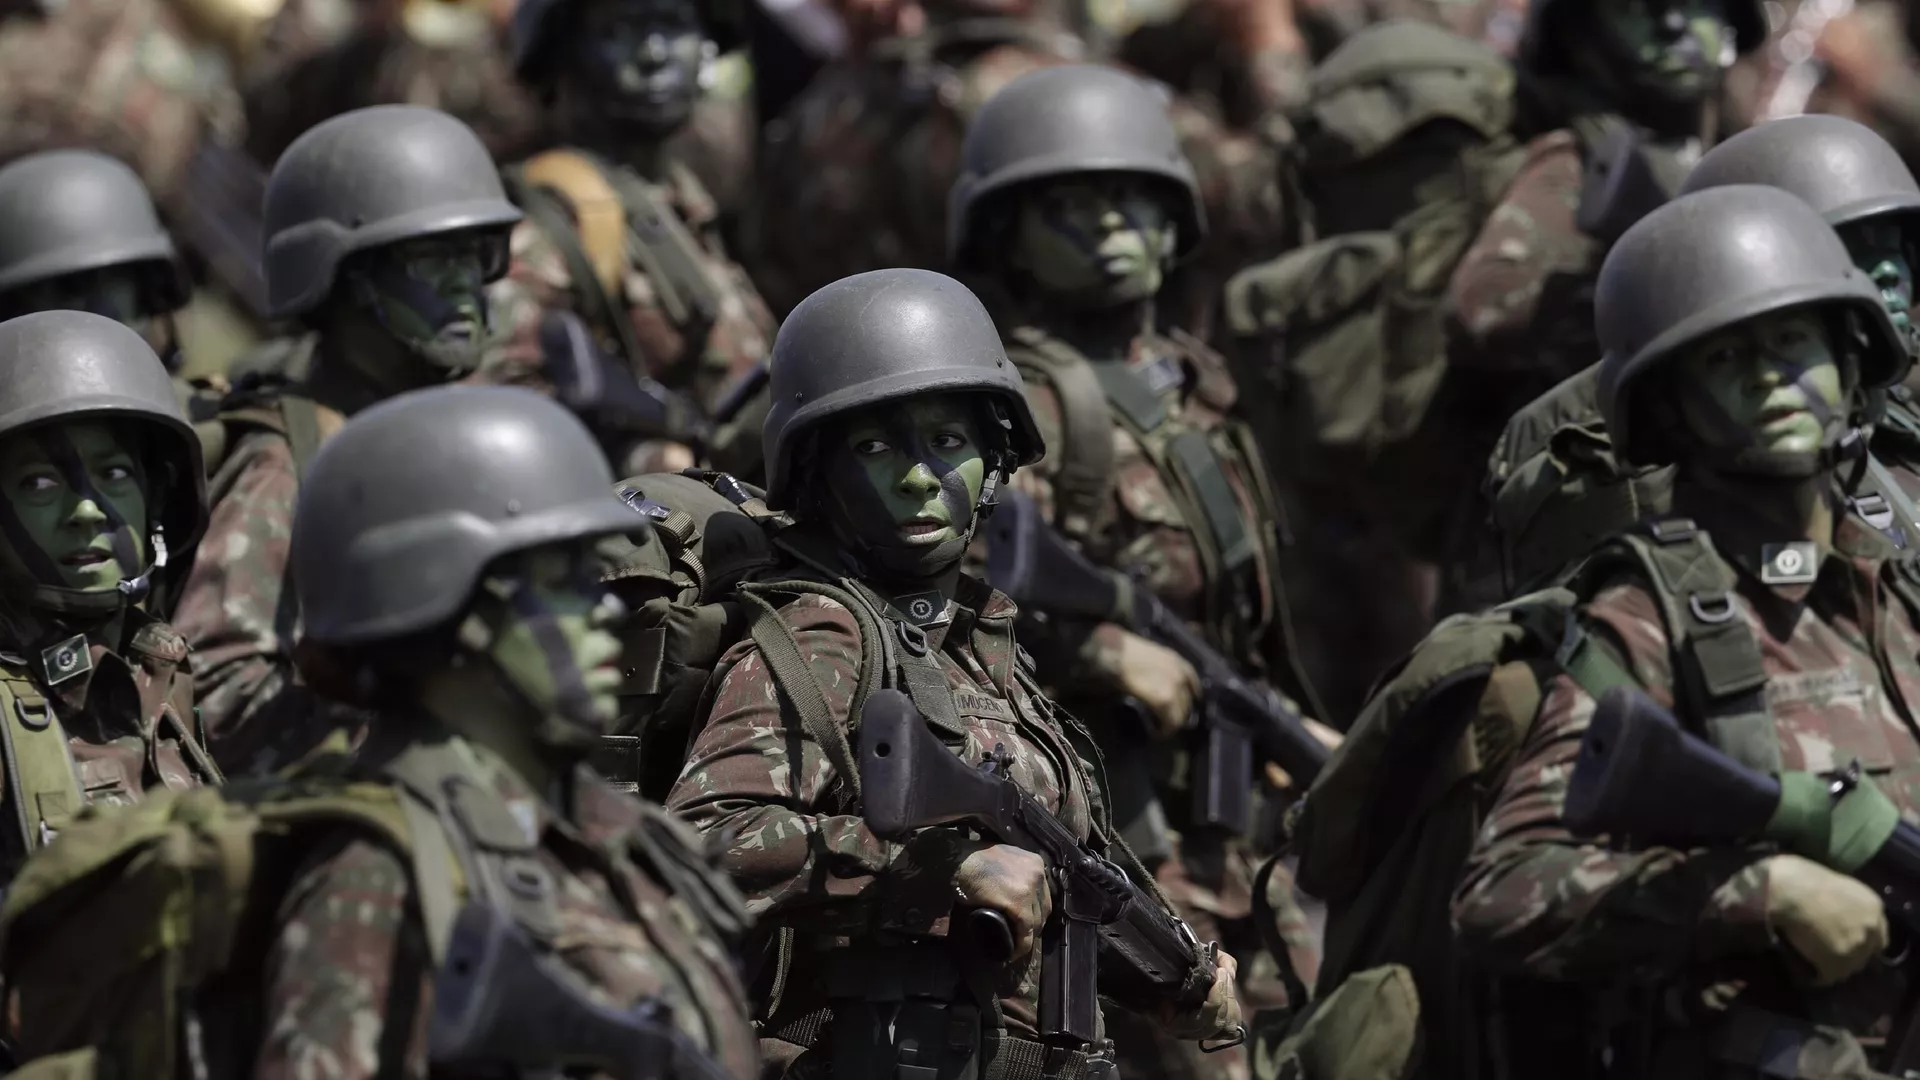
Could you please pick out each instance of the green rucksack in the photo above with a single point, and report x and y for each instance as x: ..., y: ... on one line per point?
x: 1385, y: 832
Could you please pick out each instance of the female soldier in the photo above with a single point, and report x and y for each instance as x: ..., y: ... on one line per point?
x: 896, y: 415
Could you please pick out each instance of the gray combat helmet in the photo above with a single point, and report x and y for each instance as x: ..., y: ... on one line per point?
x: 1076, y: 118
x: 1840, y: 167
x: 66, y: 366
x: 1712, y: 259
x: 366, y: 179
x: 401, y: 511
x: 535, y: 23
x: 69, y: 211
x: 882, y: 336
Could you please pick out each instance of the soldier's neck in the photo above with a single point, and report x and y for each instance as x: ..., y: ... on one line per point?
x: 474, y: 706
x: 356, y: 365
x: 1751, y: 510
x: 644, y: 153
x: 1101, y: 333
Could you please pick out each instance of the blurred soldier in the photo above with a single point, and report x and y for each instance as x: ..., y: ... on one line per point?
x: 1073, y: 202
x: 383, y: 227
x: 623, y: 234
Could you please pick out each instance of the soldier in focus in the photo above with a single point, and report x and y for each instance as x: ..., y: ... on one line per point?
x: 896, y: 417
x: 99, y: 475
x: 468, y: 617
x: 1738, y: 336
x: 383, y: 228
x: 1074, y: 202
x: 623, y: 234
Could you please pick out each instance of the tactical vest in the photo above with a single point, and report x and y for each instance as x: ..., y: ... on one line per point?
x: 607, y: 221
x: 46, y: 785
x: 1239, y: 554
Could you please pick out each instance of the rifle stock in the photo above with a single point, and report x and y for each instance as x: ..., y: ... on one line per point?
x: 499, y: 1010
x: 611, y: 398
x: 1037, y: 568
x: 1640, y: 774
x: 1104, y: 928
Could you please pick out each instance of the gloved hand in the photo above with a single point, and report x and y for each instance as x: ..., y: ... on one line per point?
x: 1011, y: 881
x: 1158, y: 678
x: 1828, y: 919
x: 1217, y: 1015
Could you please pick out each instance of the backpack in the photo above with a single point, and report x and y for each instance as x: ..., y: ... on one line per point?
x: 691, y: 586
x: 1385, y: 832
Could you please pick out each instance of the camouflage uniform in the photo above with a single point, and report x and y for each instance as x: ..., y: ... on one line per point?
x: 92, y: 718
x: 1152, y: 473
x: 288, y: 398
x: 1801, y: 671
x: 861, y: 919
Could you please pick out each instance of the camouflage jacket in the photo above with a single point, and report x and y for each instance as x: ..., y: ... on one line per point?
x: 798, y: 847
x: 347, y: 985
x: 128, y: 721
x: 1842, y: 678
x: 695, y: 335
x: 857, y: 171
x: 237, y: 606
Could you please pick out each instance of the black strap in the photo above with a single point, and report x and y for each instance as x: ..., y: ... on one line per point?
x: 549, y: 212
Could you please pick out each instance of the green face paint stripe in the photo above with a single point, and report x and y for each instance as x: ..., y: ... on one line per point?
x: 66, y: 457
x: 571, y: 696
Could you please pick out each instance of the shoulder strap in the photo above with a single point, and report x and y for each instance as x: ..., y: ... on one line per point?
x: 41, y: 779
x: 1716, y: 659
x: 671, y: 256
x: 1084, y: 480
x: 567, y: 187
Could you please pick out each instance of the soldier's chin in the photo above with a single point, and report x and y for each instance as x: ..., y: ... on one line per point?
x: 652, y: 114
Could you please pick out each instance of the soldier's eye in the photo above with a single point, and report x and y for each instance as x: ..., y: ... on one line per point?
x: 39, y: 482
x: 116, y: 474
x: 870, y: 447
x: 949, y: 440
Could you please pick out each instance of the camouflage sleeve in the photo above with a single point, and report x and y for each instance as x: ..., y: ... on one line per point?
x: 1503, y: 290
x: 1238, y: 173
x: 756, y: 774
x: 345, y: 964
x: 1536, y: 900
x: 231, y: 608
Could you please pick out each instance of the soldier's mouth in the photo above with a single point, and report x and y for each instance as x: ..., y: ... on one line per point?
x: 87, y: 558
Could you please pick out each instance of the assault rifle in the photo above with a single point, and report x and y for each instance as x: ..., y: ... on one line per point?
x: 618, y: 404
x: 1620, y: 186
x: 1039, y: 570
x: 499, y: 1010
x: 1640, y: 775
x: 1104, y: 929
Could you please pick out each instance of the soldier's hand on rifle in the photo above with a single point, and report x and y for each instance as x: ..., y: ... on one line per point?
x: 1011, y: 881
x: 1327, y: 737
x: 1830, y: 920
x: 1158, y: 678
x: 1215, y: 1016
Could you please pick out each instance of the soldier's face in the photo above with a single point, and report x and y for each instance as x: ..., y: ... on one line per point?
x: 642, y: 59
x: 1770, y: 384
x: 1883, y: 251
x: 908, y: 475
x: 122, y: 293
x: 550, y: 621
x: 1097, y: 239
x: 75, y: 512
x: 1679, y: 46
x: 430, y: 294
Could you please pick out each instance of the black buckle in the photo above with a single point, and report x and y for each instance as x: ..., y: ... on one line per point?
x: 1672, y: 530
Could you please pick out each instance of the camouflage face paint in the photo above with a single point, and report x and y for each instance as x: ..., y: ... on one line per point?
x: 1771, y: 384
x: 1678, y: 47
x: 1883, y: 251
x: 73, y: 507
x: 430, y: 294
x: 642, y: 60
x: 1096, y: 239
x: 548, y: 618
x: 904, y: 479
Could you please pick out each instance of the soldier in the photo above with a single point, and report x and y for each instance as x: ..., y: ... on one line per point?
x: 1074, y: 201
x: 1737, y: 333
x: 79, y: 232
x: 1556, y: 481
x: 383, y: 227
x: 101, y: 475
x: 468, y: 616
x: 618, y: 229
x: 896, y: 417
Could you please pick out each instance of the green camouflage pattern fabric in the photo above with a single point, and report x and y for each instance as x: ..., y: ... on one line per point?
x: 856, y: 172
x: 798, y: 850
x: 349, y: 941
x: 1540, y: 904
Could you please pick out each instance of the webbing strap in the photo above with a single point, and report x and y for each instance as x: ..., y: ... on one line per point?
x: 667, y: 252
x: 41, y: 777
x: 433, y: 862
x: 302, y: 419
x: 549, y: 213
x: 1084, y: 480
x: 794, y: 677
